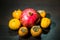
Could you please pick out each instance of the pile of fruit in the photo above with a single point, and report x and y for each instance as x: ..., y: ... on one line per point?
x: 28, y: 19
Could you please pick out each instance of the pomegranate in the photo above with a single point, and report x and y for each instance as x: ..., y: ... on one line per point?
x: 28, y: 17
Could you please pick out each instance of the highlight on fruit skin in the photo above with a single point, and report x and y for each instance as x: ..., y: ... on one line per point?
x: 23, y: 31
x: 42, y: 13
x: 16, y: 14
x: 14, y: 24
x: 36, y: 31
x: 45, y: 22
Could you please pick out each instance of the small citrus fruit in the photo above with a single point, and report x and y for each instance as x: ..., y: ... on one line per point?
x: 42, y: 13
x: 17, y: 13
x: 45, y: 22
x: 14, y: 24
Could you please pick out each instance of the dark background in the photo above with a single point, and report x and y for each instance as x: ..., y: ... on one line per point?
x: 8, y: 6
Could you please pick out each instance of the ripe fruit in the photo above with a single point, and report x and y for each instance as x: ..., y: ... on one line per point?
x: 45, y: 22
x: 36, y: 31
x: 28, y: 17
x: 23, y: 31
x: 17, y: 13
x: 14, y: 24
x: 42, y: 13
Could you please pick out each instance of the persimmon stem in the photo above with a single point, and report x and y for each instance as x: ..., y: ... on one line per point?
x: 36, y: 29
x: 23, y: 30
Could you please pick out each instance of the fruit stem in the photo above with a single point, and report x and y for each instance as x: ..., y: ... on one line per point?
x: 23, y: 30
x: 36, y: 29
x: 30, y: 13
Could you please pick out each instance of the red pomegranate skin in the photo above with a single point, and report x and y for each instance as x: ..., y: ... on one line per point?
x: 28, y: 17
